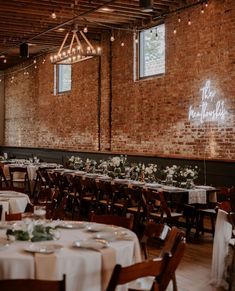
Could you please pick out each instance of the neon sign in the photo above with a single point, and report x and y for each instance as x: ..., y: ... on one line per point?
x: 210, y: 109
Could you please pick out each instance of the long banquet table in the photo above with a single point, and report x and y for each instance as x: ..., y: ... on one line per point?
x: 200, y: 194
x: 85, y: 269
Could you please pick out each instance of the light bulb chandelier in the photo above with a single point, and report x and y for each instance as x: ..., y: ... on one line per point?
x: 76, y: 51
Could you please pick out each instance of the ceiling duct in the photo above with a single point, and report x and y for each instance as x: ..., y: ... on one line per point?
x: 146, y: 5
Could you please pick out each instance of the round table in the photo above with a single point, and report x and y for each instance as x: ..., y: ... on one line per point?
x: 13, y: 202
x: 85, y: 269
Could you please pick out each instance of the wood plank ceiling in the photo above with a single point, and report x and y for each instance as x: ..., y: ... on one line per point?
x: 31, y: 21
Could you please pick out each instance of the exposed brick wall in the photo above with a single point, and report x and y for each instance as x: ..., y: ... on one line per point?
x: 148, y: 116
x: 152, y: 116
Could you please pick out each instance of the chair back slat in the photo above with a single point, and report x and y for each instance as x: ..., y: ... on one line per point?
x: 121, y: 221
x: 32, y: 285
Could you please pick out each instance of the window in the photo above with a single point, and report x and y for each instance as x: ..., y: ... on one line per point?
x: 152, y: 51
x: 62, y: 78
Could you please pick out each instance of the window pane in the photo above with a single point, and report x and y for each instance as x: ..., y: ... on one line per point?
x: 64, y: 78
x: 152, y: 51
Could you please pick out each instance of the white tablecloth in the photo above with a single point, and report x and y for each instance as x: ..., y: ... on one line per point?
x: 86, y: 270
x: 223, y: 233
x: 13, y: 202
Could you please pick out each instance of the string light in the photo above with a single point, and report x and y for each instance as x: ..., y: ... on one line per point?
x: 174, y: 31
x: 122, y: 44
x: 85, y: 29
x: 112, y: 39
x: 53, y: 15
x: 179, y: 19
x: 189, y: 22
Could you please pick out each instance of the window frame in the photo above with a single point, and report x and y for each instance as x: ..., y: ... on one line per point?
x: 58, y: 79
x: 139, y: 55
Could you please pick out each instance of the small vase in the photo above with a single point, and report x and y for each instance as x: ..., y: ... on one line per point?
x: 169, y: 180
x: 189, y: 183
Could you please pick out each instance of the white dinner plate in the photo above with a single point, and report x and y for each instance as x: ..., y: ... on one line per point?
x: 111, y: 236
x: 3, y: 245
x: 106, y: 235
x: 3, y: 224
x: 91, y: 244
x: 42, y: 248
x: 72, y: 225
x: 93, y: 227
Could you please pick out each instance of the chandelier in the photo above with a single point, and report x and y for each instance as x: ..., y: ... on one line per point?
x: 79, y: 49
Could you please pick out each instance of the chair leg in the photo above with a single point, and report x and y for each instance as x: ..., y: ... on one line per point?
x: 212, y: 224
x: 174, y: 283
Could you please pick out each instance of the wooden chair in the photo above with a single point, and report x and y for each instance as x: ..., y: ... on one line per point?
x: 3, y: 179
x: 88, y: 195
x: 158, y: 235
x: 13, y: 216
x: 211, y: 213
x: 32, y: 285
x: 134, y: 206
x: 19, y: 178
x: 1, y: 211
x: 122, y: 221
x: 157, y: 208
x: 155, y: 235
x: 104, y: 197
x: 162, y: 268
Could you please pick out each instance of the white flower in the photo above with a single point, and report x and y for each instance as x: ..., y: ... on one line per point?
x: 148, y: 170
x: 116, y: 161
x: 71, y: 159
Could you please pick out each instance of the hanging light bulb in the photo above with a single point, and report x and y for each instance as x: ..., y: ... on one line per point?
x: 85, y: 29
x: 202, y: 10
x: 53, y: 15
x: 174, y: 31
x: 179, y: 19
x: 206, y: 4
x: 189, y: 22
x: 112, y: 39
x: 122, y: 44
x: 5, y: 61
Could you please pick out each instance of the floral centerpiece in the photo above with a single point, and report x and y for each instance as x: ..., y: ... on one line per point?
x: 29, y: 231
x: 135, y: 171
x: 150, y: 173
x: 171, y: 174
x: 188, y: 175
x: 76, y: 162
x: 90, y: 165
x: 117, y: 166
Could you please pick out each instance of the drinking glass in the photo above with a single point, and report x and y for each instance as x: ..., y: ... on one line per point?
x: 39, y: 212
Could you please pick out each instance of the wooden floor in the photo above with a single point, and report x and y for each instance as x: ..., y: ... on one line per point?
x: 193, y: 273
